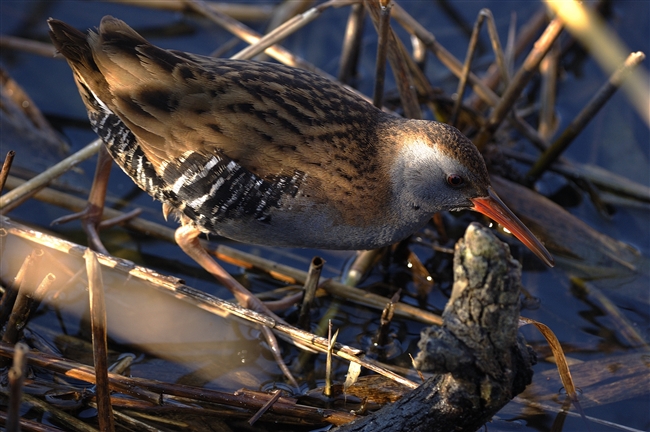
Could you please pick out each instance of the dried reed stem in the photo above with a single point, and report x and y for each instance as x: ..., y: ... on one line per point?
x: 13, y: 198
x: 100, y: 349
x: 584, y: 116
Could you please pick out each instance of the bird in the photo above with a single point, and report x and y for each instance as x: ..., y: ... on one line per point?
x: 269, y: 154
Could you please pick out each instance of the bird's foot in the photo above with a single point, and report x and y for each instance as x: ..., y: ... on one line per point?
x: 187, y: 237
x: 91, y: 216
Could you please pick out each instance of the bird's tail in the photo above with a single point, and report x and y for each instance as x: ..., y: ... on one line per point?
x: 72, y: 44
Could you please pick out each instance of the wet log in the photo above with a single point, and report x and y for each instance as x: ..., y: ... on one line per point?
x: 479, y: 360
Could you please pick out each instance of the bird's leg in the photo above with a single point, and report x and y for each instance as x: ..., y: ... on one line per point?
x: 187, y: 237
x: 91, y: 216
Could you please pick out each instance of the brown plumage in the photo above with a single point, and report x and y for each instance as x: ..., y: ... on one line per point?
x: 270, y: 154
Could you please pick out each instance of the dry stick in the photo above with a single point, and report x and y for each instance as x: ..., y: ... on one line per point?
x: 207, y: 301
x: 284, y: 11
x: 276, y: 395
x: 214, y: 304
x: 16, y: 376
x: 281, y: 272
x: 413, y: 27
x: 462, y: 83
x: 12, y: 290
x: 519, y: 81
x: 70, y: 422
x: 471, y: 48
x: 606, y: 47
x: 6, y: 166
x: 422, y: 84
x: 100, y: 349
x: 382, y: 52
x: 331, y: 340
x: 529, y: 132
x: 27, y: 106
x: 250, y: 36
x: 244, y: 12
x: 10, y: 200
x: 85, y: 373
x: 124, y: 362
x: 496, y: 47
x: 527, y: 34
x: 334, y: 288
x: 129, y: 422
x: 281, y: 32
x: 381, y: 336
x: 548, y: 72
x: 29, y: 425
x: 24, y: 307
x: 600, y: 177
x: 584, y: 117
x: 313, y: 276
x: 352, y: 43
x: 363, y: 262
x: 509, y: 52
x: 398, y: 64
x: 27, y: 45
x: 125, y: 384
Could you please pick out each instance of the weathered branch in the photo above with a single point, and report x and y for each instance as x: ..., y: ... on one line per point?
x: 479, y: 360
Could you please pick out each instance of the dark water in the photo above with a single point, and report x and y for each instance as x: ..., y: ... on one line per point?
x: 615, y: 140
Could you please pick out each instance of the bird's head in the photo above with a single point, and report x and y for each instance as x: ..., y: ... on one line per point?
x: 438, y: 168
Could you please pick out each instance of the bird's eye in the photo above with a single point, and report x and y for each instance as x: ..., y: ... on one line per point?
x: 454, y: 180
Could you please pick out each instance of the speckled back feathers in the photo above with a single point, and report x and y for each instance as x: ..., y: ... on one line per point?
x: 255, y: 151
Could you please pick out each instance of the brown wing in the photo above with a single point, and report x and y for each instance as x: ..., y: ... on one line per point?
x: 271, y: 119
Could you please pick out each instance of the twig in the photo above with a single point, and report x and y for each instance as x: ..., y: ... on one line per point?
x: 242, y: 12
x: 523, y: 39
x: 6, y: 166
x: 548, y: 71
x: 265, y: 408
x: 11, y: 199
x: 250, y: 36
x: 352, y: 43
x: 313, y: 276
x: 467, y: 65
x: 498, y: 53
x: 362, y: 263
x: 399, y: 65
x: 100, y: 350
x: 382, y: 51
x: 119, y: 383
x: 11, y: 292
x: 16, y: 377
x: 281, y: 32
x: 413, y: 27
x: 584, y: 117
x: 606, y: 47
x: 519, y: 81
x: 496, y: 47
x: 26, y: 304
x: 27, y: 45
x: 70, y: 423
x: 331, y: 341
x: 332, y: 287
